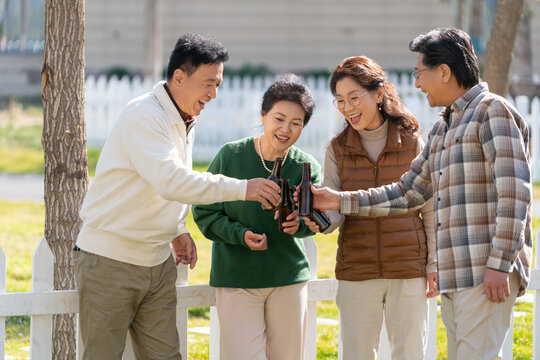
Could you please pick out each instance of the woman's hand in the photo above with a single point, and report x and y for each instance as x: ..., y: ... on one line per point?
x: 432, y: 285
x: 324, y: 198
x: 312, y: 225
x: 292, y: 224
x: 255, y: 242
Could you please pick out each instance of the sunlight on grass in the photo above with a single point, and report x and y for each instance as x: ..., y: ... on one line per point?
x: 21, y: 227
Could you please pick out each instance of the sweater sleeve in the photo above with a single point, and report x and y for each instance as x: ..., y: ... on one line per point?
x: 157, y: 160
x: 213, y: 220
x: 331, y: 180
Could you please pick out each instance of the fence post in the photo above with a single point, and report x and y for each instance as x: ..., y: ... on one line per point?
x: 182, y: 313
x: 311, y: 333
x: 215, y: 334
x: 2, y: 290
x: 536, y: 310
x: 431, y: 350
x: 42, y: 280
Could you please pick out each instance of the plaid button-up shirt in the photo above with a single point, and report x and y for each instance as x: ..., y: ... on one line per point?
x: 476, y: 166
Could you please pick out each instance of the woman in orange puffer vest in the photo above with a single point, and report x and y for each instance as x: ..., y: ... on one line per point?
x: 384, y: 265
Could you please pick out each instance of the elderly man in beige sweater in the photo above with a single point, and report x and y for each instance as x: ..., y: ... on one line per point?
x: 136, y: 207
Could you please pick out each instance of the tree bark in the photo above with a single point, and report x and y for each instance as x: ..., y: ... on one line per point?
x: 64, y: 145
x: 501, y: 45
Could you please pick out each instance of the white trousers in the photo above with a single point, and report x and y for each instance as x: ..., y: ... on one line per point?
x: 262, y: 324
x: 361, y: 307
x: 476, y: 327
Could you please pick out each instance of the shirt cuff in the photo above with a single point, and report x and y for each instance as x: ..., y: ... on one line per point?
x: 501, y: 260
x: 349, y: 202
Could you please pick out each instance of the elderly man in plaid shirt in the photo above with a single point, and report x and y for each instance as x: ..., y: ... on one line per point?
x: 476, y: 166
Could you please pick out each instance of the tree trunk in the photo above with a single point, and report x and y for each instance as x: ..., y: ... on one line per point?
x: 522, y: 82
x: 501, y: 45
x: 64, y: 145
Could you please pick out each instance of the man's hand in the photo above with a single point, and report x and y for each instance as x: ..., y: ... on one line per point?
x: 292, y: 224
x: 324, y: 198
x: 184, y: 250
x: 496, y: 285
x: 254, y: 241
x: 432, y: 285
x: 264, y: 191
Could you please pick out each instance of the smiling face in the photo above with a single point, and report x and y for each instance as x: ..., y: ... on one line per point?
x: 283, y: 125
x: 429, y: 82
x: 192, y: 92
x: 360, y: 107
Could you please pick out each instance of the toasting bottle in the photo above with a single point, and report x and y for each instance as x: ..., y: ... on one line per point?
x: 286, y: 206
x: 305, y: 196
x: 321, y: 219
x: 275, y: 176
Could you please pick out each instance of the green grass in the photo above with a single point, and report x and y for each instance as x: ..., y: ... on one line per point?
x: 21, y: 227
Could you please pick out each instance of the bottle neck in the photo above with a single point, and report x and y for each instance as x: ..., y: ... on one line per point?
x: 306, y: 174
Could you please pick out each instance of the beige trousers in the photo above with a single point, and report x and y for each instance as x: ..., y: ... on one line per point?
x: 116, y: 296
x: 262, y: 324
x: 476, y: 327
x: 361, y: 307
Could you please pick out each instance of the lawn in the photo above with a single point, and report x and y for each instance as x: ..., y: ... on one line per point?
x: 22, y: 227
x: 22, y: 224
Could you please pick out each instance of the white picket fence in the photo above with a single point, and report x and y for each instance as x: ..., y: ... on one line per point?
x: 42, y: 302
x: 235, y: 113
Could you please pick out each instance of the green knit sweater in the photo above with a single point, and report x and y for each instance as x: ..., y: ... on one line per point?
x: 234, y: 264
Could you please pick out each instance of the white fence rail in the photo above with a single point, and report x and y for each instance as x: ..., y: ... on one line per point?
x: 41, y: 303
x: 235, y: 112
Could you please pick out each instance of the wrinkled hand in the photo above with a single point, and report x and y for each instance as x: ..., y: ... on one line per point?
x: 264, y: 191
x: 496, y: 285
x: 255, y: 242
x: 324, y: 198
x: 432, y: 285
x: 291, y: 226
x: 185, y: 250
x: 312, y: 225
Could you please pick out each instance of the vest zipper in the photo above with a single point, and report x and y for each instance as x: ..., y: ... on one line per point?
x: 378, y: 226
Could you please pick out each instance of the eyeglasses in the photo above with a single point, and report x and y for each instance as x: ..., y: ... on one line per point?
x: 354, y: 100
x: 417, y: 73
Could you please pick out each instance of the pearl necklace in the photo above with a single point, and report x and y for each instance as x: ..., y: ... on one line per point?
x: 261, y: 155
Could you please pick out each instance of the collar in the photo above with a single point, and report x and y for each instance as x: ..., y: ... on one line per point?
x: 461, y: 103
x: 464, y: 100
x: 353, y: 141
x: 188, y: 119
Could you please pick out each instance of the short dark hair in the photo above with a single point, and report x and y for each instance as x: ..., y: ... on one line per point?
x: 452, y: 47
x: 192, y: 50
x: 291, y: 88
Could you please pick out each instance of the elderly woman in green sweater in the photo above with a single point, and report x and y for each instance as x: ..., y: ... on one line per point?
x: 260, y: 273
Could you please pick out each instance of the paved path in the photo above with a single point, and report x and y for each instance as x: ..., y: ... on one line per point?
x: 30, y: 187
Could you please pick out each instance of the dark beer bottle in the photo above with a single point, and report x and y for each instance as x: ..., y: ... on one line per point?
x: 286, y: 206
x: 275, y: 176
x: 305, y: 196
x: 321, y: 219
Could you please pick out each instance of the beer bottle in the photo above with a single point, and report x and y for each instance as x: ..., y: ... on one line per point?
x: 305, y: 196
x: 275, y: 176
x: 321, y: 219
x: 286, y: 206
